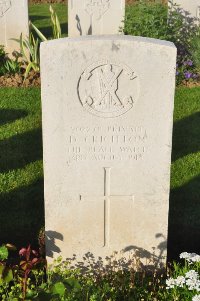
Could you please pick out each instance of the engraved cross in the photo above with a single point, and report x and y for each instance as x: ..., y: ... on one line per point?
x: 107, y: 198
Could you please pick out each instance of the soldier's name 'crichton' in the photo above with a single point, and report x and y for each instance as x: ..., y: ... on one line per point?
x: 106, y: 143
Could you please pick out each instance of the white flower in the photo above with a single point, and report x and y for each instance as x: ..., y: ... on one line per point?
x: 185, y: 255
x: 190, y: 257
x: 180, y: 281
x: 196, y: 298
x: 192, y: 274
x: 195, y: 258
x: 170, y: 283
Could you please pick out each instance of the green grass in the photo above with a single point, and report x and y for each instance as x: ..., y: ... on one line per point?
x: 184, y: 215
x: 21, y: 175
x: 40, y: 16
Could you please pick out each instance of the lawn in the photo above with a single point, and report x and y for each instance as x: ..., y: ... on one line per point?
x: 21, y: 176
x: 40, y: 16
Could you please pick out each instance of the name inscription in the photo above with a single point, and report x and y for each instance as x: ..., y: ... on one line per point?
x: 112, y: 143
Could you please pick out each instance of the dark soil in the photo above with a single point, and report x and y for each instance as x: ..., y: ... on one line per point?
x: 17, y: 80
x: 46, y: 1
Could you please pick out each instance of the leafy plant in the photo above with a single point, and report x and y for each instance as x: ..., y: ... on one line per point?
x: 12, y: 66
x: 30, y: 46
x: 2, y: 54
x: 146, y: 19
x: 30, y: 51
x: 30, y: 259
x: 6, y: 273
x: 155, y: 21
x: 195, y: 50
x: 55, y: 24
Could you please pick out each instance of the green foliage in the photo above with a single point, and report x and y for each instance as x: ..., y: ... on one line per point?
x: 30, y: 52
x: 2, y: 54
x: 153, y: 20
x: 30, y: 47
x: 195, y: 50
x: 55, y: 24
x: 8, y: 65
x: 110, y: 282
x: 146, y: 19
x: 6, y: 274
x: 3, y: 253
x: 12, y: 66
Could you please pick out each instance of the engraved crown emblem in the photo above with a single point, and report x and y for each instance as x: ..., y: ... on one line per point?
x: 4, y: 6
x: 108, y: 89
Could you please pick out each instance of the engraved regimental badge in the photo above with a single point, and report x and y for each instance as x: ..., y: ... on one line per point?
x: 108, y: 89
x: 4, y: 6
x: 97, y: 7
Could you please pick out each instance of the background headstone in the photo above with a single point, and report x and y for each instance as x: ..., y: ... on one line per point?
x: 13, y: 22
x: 190, y: 8
x: 107, y: 134
x: 95, y: 17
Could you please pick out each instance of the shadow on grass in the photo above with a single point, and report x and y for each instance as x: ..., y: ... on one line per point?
x: 186, y: 136
x: 22, y: 209
x: 22, y: 214
x: 184, y: 219
x: 37, y: 18
x: 20, y: 150
x: 184, y: 209
x: 47, y: 30
x: 10, y: 115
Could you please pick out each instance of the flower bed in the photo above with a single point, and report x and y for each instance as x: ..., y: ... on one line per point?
x: 95, y: 280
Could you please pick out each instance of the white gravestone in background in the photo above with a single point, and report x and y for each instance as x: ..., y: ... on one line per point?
x: 107, y: 133
x: 13, y: 22
x: 190, y: 8
x: 95, y: 17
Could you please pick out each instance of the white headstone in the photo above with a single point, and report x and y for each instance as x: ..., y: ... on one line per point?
x: 95, y: 17
x: 13, y: 22
x: 107, y: 133
x: 190, y: 8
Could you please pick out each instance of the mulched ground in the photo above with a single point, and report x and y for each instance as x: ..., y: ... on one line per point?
x: 64, y: 1
x: 33, y: 80
x: 17, y: 80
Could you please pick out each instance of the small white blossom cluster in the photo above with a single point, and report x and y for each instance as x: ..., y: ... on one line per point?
x: 190, y: 280
x: 196, y: 298
x: 190, y: 257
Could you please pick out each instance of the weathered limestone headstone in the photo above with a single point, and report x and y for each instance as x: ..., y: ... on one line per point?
x: 95, y: 17
x: 13, y: 22
x: 190, y: 8
x: 107, y: 134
